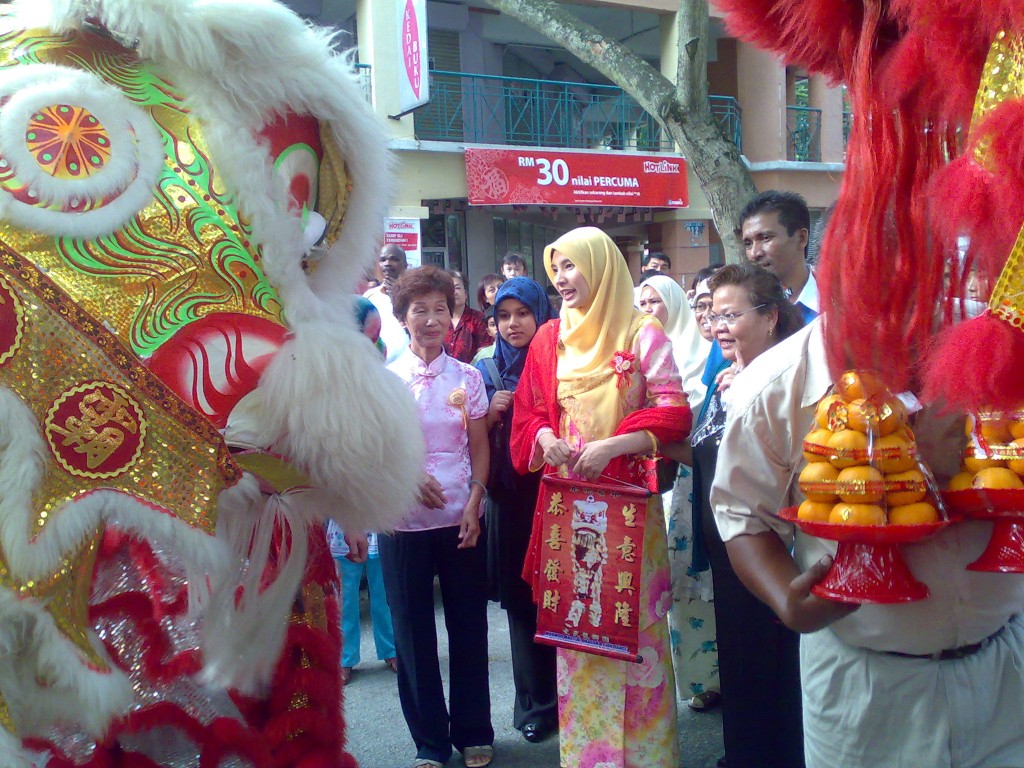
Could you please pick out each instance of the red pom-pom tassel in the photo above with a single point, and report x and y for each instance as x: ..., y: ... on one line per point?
x: 976, y: 365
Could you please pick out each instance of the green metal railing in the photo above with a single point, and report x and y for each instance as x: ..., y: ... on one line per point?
x: 730, y: 118
x: 486, y: 109
x: 803, y: 130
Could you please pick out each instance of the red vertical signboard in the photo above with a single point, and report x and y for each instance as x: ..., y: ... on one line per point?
x: 589, y: 595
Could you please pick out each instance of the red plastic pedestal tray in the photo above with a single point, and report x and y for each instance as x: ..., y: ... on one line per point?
x: 868, y: 566
x: 1004, y: 508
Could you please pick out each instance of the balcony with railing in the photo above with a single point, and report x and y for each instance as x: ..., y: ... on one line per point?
x: 803, y: 134
x: 487, y: 109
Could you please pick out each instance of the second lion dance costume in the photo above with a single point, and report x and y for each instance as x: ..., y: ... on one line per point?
x: 184, y: 397
x: 935, y: 153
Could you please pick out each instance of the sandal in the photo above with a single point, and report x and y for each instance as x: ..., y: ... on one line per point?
x: 478, y: 757
x: 702, y: 702
x: 422, y: 762
x: 346, y: 675
x: 391, y: 663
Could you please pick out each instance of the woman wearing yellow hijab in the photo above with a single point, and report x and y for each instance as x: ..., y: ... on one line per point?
x: 599, y: 385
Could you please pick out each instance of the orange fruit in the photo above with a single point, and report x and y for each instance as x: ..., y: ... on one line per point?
x: 917, y: 490
x: 961, y: 481
x: 862, y: 416
x: 891, y: 416
x: 893, y: 453
x: 1016, y: 428
x: 817, y: 437
x: 819, y: 472
x: 814, y: 511
x: 857, y: 514
x: 913, y: 514
x: 996, y: 432
x: 1017, y: 465
x: 975, y: 464
x: 849, y: 448
x: 854, y: 385
x: 821, y: 415
x: 861, y: 485
x: 997, y: 477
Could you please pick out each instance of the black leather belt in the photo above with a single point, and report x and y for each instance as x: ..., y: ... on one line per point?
x: 950, y: 654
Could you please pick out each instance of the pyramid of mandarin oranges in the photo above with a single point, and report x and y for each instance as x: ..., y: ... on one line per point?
x: 862, y: 466
x: 994, y: 457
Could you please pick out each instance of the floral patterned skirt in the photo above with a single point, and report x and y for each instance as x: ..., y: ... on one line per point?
x: 616, y: 714
x: 692, y: 616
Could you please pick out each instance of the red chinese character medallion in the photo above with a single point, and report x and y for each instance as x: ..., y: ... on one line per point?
x: 95, y: 430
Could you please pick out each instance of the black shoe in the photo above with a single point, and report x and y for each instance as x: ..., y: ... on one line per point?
x: 535, y: 732
x: 722, y: 762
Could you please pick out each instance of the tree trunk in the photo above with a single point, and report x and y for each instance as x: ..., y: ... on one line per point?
x: 682, y: 109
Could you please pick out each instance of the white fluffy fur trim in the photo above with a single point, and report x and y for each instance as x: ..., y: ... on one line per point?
x: 243, y: 638
x: 240, y: 62
x: 23, y: 461
x: 13, y: 756
x: 329, y: 404
x: 40, y: 680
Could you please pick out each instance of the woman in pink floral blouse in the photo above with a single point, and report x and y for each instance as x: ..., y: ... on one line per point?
x: 439, y: 536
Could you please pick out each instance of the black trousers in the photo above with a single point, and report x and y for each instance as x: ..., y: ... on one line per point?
x: 759, y: 671
x: 533, y: 672
x: 410, y: 560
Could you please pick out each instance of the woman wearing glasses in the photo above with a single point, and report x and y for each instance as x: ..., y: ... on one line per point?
x: 757, y: 656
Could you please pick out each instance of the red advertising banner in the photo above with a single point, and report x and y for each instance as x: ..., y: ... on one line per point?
x: 590, y: 566
x: 541, y: 177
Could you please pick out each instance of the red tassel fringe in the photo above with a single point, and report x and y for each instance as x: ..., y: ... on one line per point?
x: 975, y: 364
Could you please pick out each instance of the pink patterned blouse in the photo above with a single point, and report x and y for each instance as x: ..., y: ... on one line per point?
x: 448, y: 393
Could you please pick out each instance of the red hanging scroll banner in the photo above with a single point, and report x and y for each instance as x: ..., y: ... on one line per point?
x: 591, y: 555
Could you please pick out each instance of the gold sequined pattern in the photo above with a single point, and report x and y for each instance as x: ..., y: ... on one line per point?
x: 186, y: 463
x: 1007, y: 300
x: 137, y: 377
x: 1002, y: 79
x: 186, y: 254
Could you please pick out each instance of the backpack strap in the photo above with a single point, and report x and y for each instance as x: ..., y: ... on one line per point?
x: 492, y: 372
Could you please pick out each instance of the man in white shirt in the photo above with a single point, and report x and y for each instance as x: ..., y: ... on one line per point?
x: 393, y: 263
x: 934, y: 683
x: 774, y: 229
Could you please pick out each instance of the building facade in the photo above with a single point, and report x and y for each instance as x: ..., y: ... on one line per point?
x: 478, y: 164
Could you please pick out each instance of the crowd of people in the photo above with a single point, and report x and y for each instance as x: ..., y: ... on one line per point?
x: 720, y: 380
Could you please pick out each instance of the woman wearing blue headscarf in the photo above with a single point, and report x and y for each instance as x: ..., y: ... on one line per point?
x: 520, y: 307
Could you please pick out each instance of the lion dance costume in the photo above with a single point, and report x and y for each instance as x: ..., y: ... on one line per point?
x: 184, y: 397
x: 936, y: 152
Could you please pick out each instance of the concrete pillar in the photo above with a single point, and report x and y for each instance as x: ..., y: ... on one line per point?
x: 830, y: 102
x: 762, y: 97
x: 377, y: 25
x: 686, y: 242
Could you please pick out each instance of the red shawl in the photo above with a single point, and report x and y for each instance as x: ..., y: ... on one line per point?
x: 536, y: 407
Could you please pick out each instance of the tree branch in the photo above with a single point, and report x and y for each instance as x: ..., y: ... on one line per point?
x: 682, y: 108
x: 652, y: 90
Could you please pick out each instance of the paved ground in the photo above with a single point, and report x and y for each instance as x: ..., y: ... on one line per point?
x: 379, y: 739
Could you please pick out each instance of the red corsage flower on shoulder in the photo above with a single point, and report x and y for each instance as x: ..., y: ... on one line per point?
x: 622, y: 364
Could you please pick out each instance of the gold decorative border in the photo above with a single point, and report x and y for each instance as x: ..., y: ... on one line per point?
x: 19, y: 319
x: 31, y: 280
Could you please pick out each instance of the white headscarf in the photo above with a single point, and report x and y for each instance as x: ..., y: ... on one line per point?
x: 689, y: 348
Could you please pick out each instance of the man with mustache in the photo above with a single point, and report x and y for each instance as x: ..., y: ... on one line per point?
x: 774, y: 229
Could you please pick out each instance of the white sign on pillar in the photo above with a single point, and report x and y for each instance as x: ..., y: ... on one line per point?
x: 405, y: 233
x: 413, y: 77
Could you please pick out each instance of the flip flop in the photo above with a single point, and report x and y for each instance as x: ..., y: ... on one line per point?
x: 422, y: 762
x: 391, y: 663
x: 478, y: 757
